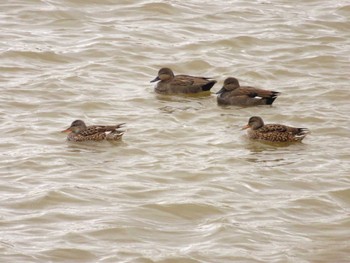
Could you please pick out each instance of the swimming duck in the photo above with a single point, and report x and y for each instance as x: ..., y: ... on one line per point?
x: 171, y: 84
x: 79, y: 132
x: 274, y: 132
x: 234, y: 94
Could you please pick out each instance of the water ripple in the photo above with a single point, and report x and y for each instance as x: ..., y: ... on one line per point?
x: 185, y: 184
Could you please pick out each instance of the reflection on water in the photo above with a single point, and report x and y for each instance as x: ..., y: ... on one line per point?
x: 275, y: 154
x: 91, y: 146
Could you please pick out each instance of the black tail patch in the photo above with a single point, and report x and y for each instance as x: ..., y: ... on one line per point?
x: 303, y: 131
x: 270, y: 100
x: 209, y: 85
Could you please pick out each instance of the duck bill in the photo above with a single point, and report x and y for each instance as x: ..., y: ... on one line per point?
x: 245, y: 127
x: 67, y: 130
x: 221, y: 91
x: 156, y: 79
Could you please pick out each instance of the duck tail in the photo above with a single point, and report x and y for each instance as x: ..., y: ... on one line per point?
x: 270, y: 100
x: 304, y: 131
x: 272, y: 97
x: 209, y: 85
x: 120, y: 125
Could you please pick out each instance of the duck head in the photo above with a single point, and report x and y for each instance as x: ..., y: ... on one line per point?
x: 164, y: 74
x: 229, y: 84
x: 76, y: 127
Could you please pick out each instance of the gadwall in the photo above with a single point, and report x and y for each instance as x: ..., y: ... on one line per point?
x: 234, y: 94
x: 171, y: 84
x: 79, y: 132
x: 274, y: 132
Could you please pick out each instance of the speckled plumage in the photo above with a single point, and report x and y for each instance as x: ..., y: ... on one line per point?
x: 234, y: 94
x: 257, y: 130
x: 79, y: 132
x: 171, y: 84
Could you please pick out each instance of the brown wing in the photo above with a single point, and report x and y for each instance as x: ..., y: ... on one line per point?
x: 283, y: 128
x: 273, y: 128
x: 91, y: 130
x: 194, y: 77
x: 254, y: 92
x: 182, y: 82
x: 192, y: 81
x: 96, y: 129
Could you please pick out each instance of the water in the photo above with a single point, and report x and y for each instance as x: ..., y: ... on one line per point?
x: 185, y: 184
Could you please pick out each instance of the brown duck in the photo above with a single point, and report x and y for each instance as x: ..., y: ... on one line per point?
x: 171, y: 84
x: 79, y: 132
x: 234, y: 94
x: 274, y: 132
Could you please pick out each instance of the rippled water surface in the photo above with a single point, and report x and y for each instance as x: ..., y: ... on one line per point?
x: 184, y: 184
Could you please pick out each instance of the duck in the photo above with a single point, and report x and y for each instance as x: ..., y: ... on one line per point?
x: 233, y: 94
x: 168, y: 83
x: 257, y: 130
x: 79, y: 132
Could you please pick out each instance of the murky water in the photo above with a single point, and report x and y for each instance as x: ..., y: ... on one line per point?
x: 185, y: 184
